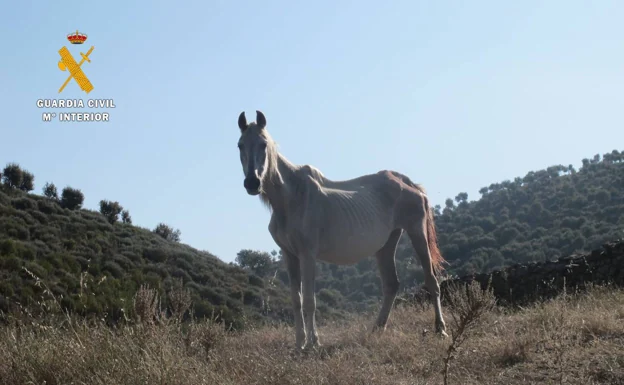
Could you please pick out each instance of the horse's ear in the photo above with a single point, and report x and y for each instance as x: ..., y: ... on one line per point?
x: 242, y: 121
x: 260, y: 119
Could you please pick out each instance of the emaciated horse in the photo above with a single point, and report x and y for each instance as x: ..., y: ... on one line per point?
x: 342, y: 222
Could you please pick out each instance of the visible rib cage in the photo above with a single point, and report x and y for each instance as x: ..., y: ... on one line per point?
x: 360, y: 209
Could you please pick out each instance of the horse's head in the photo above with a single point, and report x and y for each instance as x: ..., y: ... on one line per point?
x: 253, y: 144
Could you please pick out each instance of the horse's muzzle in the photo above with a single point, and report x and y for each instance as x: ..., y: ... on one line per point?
x: 252, y: 185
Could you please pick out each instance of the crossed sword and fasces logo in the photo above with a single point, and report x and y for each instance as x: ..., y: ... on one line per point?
x: 67, y: 62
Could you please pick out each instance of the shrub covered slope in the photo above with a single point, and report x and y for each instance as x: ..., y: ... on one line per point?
x: 95, y: 266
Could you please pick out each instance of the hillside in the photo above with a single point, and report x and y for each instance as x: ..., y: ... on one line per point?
x: 541, y: 216
x: 95, y: 267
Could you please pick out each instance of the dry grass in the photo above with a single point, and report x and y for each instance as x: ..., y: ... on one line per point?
x: 570, y: 340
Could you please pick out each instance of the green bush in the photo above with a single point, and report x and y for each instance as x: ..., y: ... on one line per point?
x: 254, y: 280
x: 23, y: 203
x: 72, y: 198
x: 155, y: 255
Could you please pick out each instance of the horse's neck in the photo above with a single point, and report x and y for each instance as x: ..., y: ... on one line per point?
x: 279, y: 186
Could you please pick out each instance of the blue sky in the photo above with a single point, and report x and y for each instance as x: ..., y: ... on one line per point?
x: 456, y: 96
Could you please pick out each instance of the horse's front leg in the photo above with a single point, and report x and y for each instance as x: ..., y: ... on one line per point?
x: 308, y: 271
x: 294, y: 275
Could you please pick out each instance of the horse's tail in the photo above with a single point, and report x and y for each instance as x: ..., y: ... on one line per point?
x: 432, y: 241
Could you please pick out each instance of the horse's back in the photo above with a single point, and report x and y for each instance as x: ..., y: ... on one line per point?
x: 351, y: 218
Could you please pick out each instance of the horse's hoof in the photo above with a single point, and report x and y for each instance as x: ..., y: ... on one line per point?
x: 311, y: 346
x: 298, y: 347
x: 378, y: 328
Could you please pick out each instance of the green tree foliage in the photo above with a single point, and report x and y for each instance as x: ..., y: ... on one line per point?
x: 543, y: 215
x: 110, y: 210
x: 167, y: 232
x: 28, y: 181
x: 461, y: 197
x: 125, y: 217
x: 12, y: 175
x: 49, y: 191
x: 258, y: 262
x: 72, y: 198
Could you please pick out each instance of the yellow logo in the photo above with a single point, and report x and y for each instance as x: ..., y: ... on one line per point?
x: 67, y: 62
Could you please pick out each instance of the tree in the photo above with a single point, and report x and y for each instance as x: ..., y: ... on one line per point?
x: 49, y: 191
x: 258, y: 262
x: 596, y: 159
x: 125, y: 217
x: 277, y: 255
x: 462, y: 199
x: 72, y: 198
x: 167, y: 232
x: 12, y: 175
x: 28, y: 181
x: 110, y: 210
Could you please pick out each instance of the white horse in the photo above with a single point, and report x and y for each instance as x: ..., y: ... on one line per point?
x: 342, y: 222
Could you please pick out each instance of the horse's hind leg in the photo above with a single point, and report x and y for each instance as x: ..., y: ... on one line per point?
x: 389, y: 279
x: 418, y: 236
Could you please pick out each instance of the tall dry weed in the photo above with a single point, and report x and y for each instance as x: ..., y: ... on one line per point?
x: 147, y: 306
x: 467, y: 306
x: 179, y: 300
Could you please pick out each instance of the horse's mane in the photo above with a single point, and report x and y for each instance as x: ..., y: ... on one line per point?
x: 272, y: 174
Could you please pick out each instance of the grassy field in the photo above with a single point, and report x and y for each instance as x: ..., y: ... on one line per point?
x: 568, y: 340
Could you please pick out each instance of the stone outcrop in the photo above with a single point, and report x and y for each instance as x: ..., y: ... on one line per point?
x: 523, y: 283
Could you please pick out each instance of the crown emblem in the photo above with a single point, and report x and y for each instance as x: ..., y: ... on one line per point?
x: 77, y: 38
